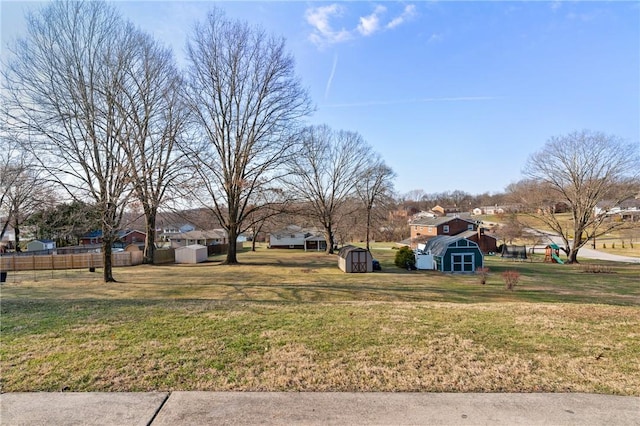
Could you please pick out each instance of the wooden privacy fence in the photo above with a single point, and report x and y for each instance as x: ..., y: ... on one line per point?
x: 67, y: 261
x: 221, y: 248
x: 161, y: 256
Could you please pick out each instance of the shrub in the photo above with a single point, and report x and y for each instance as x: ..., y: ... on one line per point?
x: 405, y: 258
x: 482, y: 274
x: 510, y: 278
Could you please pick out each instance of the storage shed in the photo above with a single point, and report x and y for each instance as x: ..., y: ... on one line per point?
x: 355, y: 259
x: 455, y: 254
x: 41, y: 245
x: 195, y: 253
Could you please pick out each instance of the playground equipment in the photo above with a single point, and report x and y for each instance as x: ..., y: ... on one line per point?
x: 552, y: 254
x: 514, y: 252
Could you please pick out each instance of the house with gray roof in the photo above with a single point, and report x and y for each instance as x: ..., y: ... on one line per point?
x: 426, y: 228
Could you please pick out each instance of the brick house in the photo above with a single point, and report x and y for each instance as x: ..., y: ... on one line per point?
x: 424, y: 228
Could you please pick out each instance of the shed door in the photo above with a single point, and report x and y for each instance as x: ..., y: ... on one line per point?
x: 358, y: 261
x: 462, y: 262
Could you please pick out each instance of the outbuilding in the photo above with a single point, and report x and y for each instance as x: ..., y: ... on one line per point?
x: 195, y: 253
x: 355, y: 259
x: 41, y: 245
x: 455, y: 254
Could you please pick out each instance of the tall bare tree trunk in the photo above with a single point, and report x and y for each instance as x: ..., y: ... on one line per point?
x: 150, y: 242
x: 107, y: 255
x: 246, y: 104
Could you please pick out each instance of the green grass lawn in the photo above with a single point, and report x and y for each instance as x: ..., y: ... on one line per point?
x: 292, y: 321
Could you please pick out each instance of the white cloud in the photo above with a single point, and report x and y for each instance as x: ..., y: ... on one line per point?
x: 323, y: 33
x: 371, y: 23
x: 435, y: 38
x: 409, y: 11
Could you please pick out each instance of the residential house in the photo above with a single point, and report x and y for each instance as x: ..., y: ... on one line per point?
x: 628, y: 210
x: 423, y: 214
x: 206, y: 238
x: 443, y: 211
x: 486, y: 242
x: 123, y: 238
x: 295, y: 237
x: 166, y: 232
x: 496, y: 209
x: 91, y: 238
x: 131, y: 236
x: 425, y: 228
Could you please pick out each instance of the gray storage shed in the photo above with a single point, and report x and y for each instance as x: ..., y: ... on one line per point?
x: 355, y: 259
x: 195, y: 253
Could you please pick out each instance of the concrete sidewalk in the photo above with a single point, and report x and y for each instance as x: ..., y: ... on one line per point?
x: 249, y: 408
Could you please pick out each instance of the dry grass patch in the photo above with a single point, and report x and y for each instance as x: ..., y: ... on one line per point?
x: 269, y: 325
x: 389, y: 346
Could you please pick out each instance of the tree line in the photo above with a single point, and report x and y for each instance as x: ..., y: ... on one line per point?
x: 98, y: 108
x: 96, y: 111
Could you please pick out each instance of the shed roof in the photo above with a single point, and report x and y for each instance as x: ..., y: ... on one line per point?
x: 439, y: 245
x: 192, y: 247
x: 344, y: 251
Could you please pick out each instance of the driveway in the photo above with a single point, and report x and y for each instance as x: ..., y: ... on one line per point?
x: 585, y: 253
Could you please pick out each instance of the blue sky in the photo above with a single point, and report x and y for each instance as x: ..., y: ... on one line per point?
x: 453, y: 95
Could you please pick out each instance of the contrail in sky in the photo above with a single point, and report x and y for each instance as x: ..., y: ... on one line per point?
x: 409, y: 101
x: 333, y: 72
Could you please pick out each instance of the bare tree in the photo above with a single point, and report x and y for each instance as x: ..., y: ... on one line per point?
x: 268, y: 204
x: 324, y: 174
x: 11, y: 167
x: 511, y: 229
x: 246, y: 103
x: 27, y: 193
x: 580, y: 170
x: 153, y: 117
x: 65, y: 85
x: 373, y: 185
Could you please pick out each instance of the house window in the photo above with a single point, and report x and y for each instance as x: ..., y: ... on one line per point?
x: 430, y: 229
x: 462, y: 262
x: 470, y: 227
x: 445, y: 229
